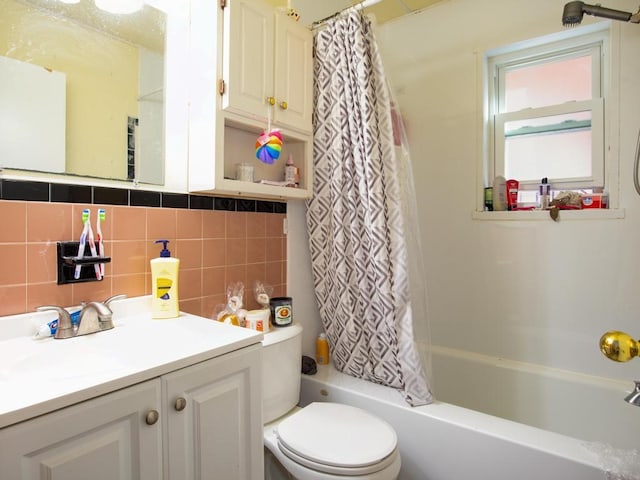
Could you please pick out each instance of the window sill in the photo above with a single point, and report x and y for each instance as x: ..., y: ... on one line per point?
x: 586, y: 214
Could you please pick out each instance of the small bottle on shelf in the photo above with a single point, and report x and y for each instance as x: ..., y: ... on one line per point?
x: 322, y: 350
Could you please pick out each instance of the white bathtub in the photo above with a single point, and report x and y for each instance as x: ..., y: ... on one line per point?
x: 582, y: 406
x: 446, y: 442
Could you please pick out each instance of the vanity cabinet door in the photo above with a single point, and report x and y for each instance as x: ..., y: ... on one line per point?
x: 106, y: 438
x: 214, y: 418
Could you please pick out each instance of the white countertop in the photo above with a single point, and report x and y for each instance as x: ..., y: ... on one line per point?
x: 39, y: 376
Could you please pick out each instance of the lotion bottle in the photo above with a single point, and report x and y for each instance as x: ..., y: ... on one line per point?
x: 322, y: 350
x: 164, y: 284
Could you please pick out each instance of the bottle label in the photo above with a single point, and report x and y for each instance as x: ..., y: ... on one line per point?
x: 163, y: 288
x: 282, y: 315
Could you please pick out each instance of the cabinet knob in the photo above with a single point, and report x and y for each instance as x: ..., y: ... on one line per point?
x: 283, y: 105
x: 152, y: 417
x: 180, y: 404
x: 271, y: 100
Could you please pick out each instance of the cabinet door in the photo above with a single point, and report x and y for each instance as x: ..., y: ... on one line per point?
x: 293, y: 73
x: 106, y: 438
x: 248, y: 56
x: 214, y: 418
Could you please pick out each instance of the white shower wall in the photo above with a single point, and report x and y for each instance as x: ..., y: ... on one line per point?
x: 531, y: 291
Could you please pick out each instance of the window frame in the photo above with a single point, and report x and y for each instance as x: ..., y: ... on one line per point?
x: 595, y: 40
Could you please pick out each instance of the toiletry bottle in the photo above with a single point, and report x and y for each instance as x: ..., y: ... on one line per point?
x: 290, y: 171
x: 164, y: 284
x: 544, y: 191
x: 322, y: 350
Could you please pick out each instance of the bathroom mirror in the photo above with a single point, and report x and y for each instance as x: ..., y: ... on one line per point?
x: 82, y: 90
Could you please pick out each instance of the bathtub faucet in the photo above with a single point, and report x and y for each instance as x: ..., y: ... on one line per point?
x: 621, y: 347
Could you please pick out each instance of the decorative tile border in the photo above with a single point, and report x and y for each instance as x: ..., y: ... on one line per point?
x: 62, y: 193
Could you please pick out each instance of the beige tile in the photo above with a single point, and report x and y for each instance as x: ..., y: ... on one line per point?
x: 214, y: 224
x: 128, y: 223
x: 256, y: 250
x: 50, y: 222
x: 49, y: 294
x: 214, y: 252
x: 273, y: 273
x: 13, y: 300
x: 236, y: 273
x: 13, y: 258
x: 256, y: 225
x: 161, y: 224
x: 236, y: 225
x: 127, y: 257
x: 236, y: 251
x: 190, y: 283
x: 275, y: 225
x: 213, y: 281
x: 42, y: 264
x: 189, y: 252
x: 189, y: 224
x: 132, y: 285
x: 91, y: 291
x: 274, y: 247
x: 192, y: 306
x: 13, y: 216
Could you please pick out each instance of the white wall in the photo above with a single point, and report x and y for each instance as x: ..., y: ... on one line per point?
x: 533, y: 291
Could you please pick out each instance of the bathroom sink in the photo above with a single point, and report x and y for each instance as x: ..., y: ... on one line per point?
x: 46, y: 374
x: 51, y: 361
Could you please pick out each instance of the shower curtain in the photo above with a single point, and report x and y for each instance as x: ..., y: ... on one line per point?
x: 357, y: 217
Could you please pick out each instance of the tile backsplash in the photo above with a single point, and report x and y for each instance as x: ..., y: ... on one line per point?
x: 218, y: 241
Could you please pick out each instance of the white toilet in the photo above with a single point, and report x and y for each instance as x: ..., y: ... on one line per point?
x: 322, y: 441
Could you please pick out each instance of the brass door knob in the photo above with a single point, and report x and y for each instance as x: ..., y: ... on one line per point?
x: 271, y: 100
x: 619, y: 346
x: 283, y: 105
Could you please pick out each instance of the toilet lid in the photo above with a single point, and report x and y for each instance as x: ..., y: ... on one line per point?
x: 337, y: 435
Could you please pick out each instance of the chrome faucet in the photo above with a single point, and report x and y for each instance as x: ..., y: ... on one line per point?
x: 94, y: 317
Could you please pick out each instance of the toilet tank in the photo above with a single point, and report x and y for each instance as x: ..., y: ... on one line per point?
x: 281, y: 365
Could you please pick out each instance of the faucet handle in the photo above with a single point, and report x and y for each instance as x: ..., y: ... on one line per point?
x: 65, y: 327
x: 120, y: 296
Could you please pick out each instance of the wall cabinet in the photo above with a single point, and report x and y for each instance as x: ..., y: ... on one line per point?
x: 267, y: 65
x: 202, y: 421
x: 253, y: 71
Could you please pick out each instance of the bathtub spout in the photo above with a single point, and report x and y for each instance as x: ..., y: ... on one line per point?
x: 634, y: 397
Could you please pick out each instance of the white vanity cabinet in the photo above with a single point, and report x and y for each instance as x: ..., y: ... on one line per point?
x: 267, y: 58
x: 106, y: 438
x: 214, y: 420
x: 246, y: 55
x: 202, y: 421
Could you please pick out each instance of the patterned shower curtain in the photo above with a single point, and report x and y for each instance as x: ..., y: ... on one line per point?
x: 356, y: 218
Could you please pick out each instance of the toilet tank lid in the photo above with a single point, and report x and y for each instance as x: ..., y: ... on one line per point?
x: 280, y: 334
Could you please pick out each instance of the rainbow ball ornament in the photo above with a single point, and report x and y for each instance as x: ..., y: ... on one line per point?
x: 269, y: 146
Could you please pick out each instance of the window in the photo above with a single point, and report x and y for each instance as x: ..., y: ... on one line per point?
x: 546, y: 113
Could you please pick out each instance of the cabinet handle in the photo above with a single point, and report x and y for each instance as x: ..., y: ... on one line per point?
x: 180, y: 404
x: 271, y: 101
x: 152, y: 417
x: 283, y: 105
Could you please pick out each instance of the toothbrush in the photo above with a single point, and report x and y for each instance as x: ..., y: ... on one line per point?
x: 92, y: 243
x: 83, y: 240
x: 102, y: 214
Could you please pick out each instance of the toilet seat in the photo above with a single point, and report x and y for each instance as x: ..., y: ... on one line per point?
x: 337, y: 439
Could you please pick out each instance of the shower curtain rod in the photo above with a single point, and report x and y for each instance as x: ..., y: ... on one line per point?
x: 358, y: 6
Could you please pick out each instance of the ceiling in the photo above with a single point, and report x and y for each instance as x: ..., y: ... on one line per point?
x: 385, y: 10
x: 389, y: 9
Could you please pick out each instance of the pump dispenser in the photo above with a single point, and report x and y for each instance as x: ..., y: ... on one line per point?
x: 164, y: 284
